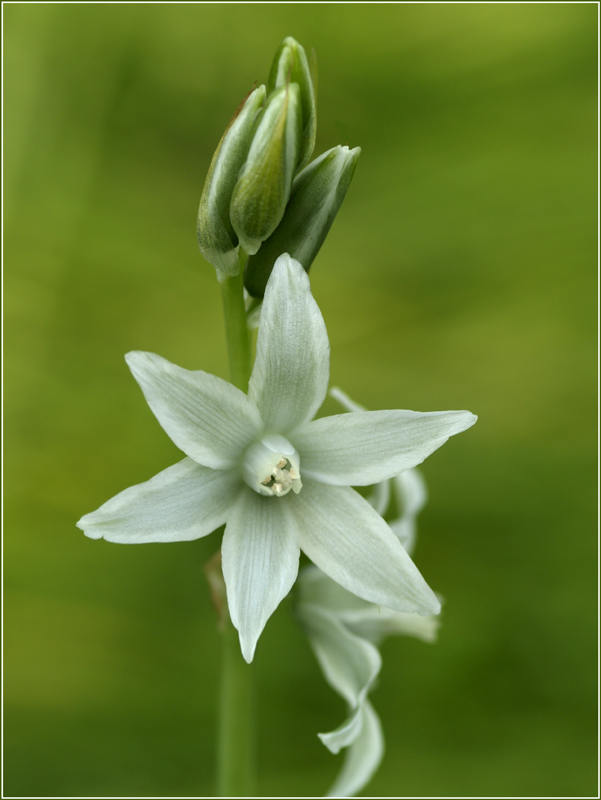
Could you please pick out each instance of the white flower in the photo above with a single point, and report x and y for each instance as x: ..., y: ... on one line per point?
x: 345, y: 631
x: 279, y: 481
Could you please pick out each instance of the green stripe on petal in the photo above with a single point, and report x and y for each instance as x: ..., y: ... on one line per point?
x: 217, y: 239
x: 263, y: 187
x: 316, y: 195
x: 290, y: 65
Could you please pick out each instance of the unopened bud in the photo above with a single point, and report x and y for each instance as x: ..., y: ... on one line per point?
x: 217, y: 238
x: 317, y: 194
x: 290, y: 65
x: 263, y: 187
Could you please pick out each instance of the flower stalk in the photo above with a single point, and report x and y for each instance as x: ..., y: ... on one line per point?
x: 236, y: 768
x: 236, y: 328
x: 236, y: 737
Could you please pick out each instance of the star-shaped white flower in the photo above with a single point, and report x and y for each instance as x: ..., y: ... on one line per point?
x: 279, y: 481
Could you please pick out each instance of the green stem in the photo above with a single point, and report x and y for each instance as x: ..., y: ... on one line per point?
x: 236, y: 760
x: 236, y: 752
x: 236, y: 329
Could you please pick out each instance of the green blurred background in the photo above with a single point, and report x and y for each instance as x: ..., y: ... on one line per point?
x: 460, y: 273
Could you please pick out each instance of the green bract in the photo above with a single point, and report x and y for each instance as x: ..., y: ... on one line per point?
x: 263, y: 188
x: 317, y: 194
x: 290, y: 65
x: 217, y: 238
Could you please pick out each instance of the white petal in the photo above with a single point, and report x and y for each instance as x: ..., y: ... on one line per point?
x: 184, y: 502
x: 350, y: 405
x: 379, y: 499
x: 411, y: 496
x: 362, y: 758
x: 350, y: 664
x: 290, y: 377
x: 366, y: 447
x: 345, y: 734
x: 343, y: 535
x: 260, y: 554
x: 344, y: 400
x: 410, y: 491
x: 375, y: 623
x: 316, y: 589
x: 362, y: 618
x: 206, y: 417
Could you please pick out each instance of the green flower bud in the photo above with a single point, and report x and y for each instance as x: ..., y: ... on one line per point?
x: 217, y: 238
x: 263, y: 188
x: 317, y: 194
x: 290, y: 65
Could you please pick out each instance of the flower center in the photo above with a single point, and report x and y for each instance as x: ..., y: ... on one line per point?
x: 271, y: 467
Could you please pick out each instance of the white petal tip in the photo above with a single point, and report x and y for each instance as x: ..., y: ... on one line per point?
x: 136, y: 358
x: 91, y: 534
x: 248, y: 647
x: 286, y: 261
x: 431, y: 609
x: 333, y: 746
x: 464, y: 420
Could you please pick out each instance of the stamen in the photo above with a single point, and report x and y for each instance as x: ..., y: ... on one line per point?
x: 271, y: 467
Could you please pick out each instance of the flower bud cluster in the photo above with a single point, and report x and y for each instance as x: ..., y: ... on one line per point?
x: 262, y: 195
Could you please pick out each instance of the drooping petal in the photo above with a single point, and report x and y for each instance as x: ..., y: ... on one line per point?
x: 375, y: 623
x: 343, y: 535
x: 316, y: 589
x: 362, y: 758
x: 206, y: 417
x: 344, y: 632
x: 349, y: 663
x: 366, y: 447
x: 260, y: 555
x: 346, y: 733
x: 291, y: 372
x: 361, y: 617
x: 184, y: 502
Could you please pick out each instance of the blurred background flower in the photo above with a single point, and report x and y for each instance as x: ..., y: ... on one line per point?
x: 460, y: 273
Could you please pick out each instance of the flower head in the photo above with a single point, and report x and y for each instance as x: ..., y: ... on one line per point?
x: 278, y: 479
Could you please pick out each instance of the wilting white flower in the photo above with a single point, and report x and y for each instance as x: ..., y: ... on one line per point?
x: 345, y: 631
x: 279, y: 481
